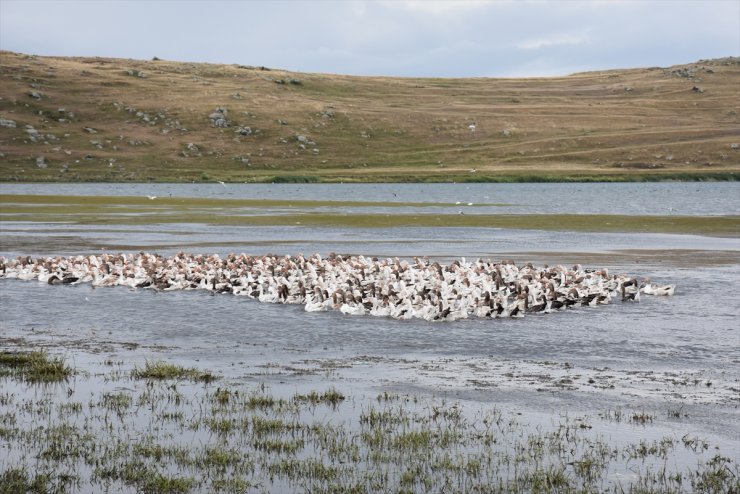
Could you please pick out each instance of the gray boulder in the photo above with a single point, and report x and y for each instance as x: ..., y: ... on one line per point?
x: 218, y: 117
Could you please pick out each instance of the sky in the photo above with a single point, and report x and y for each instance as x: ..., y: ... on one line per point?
x: 443, y: 38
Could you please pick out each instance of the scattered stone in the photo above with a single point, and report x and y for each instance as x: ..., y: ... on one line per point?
x: 301, y: 138
x: 242, y: 159
x: 90, y: 130
x: 628, y: 88
x: 295, y: 82
x: 32, y: 132
x: 282, y: 122
x: 245, y: 131
x: 34, y: 94
x: 327, y: 114
x: 41, y: 162
x: 192, y: 147
x: 218, y: 117
x: 7, y: 123
x: 506, y: 133
x: 735, y: 146
x: 236, y: 96
x: 315, y: 150
x: 684, y: 72
x: 697, y: 89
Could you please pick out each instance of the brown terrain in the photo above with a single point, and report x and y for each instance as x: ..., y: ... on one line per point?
x: 103, y: 119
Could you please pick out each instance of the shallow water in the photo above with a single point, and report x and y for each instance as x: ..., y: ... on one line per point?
x: 23, y: 238
x: 663, y: 353
x: 680, y: 198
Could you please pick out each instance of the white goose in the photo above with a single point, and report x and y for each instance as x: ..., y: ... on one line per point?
x: 660, y: 290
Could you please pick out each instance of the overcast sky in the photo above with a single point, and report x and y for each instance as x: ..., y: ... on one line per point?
x: 402, y: 38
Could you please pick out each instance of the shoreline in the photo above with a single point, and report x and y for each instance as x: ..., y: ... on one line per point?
x: 430, y: 179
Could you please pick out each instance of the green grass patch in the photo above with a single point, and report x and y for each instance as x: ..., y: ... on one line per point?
x: 97, y: 210
x: 163, y: 370
x: 34, y: 367
x: 294, y: 179
x: 595, y: 178
x: 330, y: 397
x: 147, y: 479
x: 18, y: 480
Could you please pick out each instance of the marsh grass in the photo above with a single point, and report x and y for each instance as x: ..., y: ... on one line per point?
x: 331, y: 397
x: 164, y: 371
x: 719, y: 226
x: 34, y: 367
x: 641, y: 417
x: 165, y: 437
x: 18, y: 480
x: 99, y: 210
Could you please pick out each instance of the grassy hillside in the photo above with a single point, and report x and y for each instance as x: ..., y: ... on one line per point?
x: 100, y: 119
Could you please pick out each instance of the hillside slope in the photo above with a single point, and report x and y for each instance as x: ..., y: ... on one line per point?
x: 101, y: 119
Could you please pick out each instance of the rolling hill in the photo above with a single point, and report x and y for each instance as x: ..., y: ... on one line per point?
x: 104, y: 119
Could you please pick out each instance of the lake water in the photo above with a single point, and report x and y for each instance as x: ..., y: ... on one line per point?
x: 679, y: 198
x: 681, y: 351
x: 685, y: 199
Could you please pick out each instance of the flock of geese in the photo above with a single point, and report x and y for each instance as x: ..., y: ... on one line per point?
x: 351, y: 284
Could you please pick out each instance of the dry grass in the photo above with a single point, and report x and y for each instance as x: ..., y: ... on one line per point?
x: 610, y: 125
